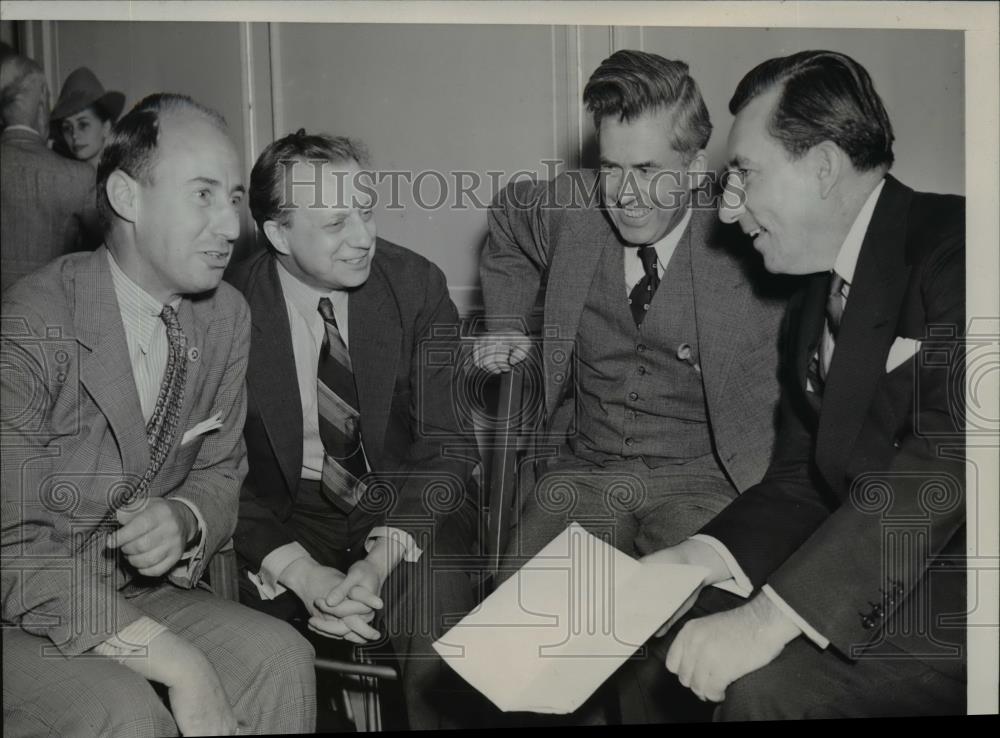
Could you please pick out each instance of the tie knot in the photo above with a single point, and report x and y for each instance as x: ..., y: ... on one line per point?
x: 169, y: 316
x: 326, y: 310
x: 647, y: 254
x: 836, y: 285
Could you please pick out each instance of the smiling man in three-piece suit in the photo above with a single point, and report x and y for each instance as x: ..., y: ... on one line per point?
x: 351, y: 508
x: 122, y: 412
x: 852, y: 548
x: 660, y: 348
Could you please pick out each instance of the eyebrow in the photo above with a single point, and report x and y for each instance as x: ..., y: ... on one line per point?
x: 209, y: 181
x: 639, y: 165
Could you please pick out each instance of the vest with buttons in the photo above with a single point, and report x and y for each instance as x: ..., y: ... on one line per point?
x: 636, y: 397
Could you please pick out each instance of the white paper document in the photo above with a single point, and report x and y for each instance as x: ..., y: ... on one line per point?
x: 555, y: 631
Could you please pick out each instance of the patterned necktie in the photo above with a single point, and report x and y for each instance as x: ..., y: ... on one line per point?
x: 162, y: 425
x: 834, y: 314
x: 642, y: 294
x: 819, y: 364
x: 339, y: 419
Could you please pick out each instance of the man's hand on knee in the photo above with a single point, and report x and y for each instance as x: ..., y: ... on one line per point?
x: 154, y: 536
x: 712, y: 652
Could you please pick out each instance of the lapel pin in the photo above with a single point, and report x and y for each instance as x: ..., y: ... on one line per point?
x: 193, y: 353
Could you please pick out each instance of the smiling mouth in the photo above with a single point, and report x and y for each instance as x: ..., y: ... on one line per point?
x: 634, y: 212
x: 217, y: 255
x: 358, y: 261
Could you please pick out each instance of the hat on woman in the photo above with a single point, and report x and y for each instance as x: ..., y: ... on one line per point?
x: 81, y: 90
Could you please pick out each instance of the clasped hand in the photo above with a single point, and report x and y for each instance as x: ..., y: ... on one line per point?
x: 341, y: 605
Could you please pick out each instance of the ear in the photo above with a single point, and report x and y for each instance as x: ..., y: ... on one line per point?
x: 106, y: 128
x: 276, y: 235
x: 828, y: 163
x: 123, y: 194
x: 697, y: 171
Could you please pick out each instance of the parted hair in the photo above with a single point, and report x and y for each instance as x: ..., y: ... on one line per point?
x: 631, y: 83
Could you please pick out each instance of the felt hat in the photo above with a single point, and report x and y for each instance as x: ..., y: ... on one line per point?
x: 81, y: 90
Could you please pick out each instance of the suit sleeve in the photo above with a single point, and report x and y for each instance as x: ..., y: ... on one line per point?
x: 57, y: 581
x: 435, y: 473
x: 258, y: 531
x: 516, y: 255
x: 214, y: 482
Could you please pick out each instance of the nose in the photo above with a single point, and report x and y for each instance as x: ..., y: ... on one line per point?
x: 228, y: 222
x: 362, y: 232
x: 732, y: 203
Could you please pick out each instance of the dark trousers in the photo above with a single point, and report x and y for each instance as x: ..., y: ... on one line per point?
x: 422, y: 599
x: 803, y: 682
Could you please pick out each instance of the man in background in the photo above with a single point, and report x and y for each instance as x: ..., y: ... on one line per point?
x: 48, y: 201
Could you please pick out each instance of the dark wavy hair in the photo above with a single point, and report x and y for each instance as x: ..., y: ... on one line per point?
x: 825, y: 96
x: 133, y: 144
x: 630, y: 83
x: 267, y: 180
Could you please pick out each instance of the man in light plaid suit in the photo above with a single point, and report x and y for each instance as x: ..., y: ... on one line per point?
x: 122, y: 413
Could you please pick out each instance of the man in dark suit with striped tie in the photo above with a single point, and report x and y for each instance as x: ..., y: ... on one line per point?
x: 350, y: 503
x: 851, y: 550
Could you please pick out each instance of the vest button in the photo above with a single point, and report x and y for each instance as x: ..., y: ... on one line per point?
x: 633, y: 396
x: 629, y: 442
x: 640, y: 348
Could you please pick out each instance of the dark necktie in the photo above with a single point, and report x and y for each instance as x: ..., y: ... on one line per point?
x: 161, y: 428
x: 819, y: 365
x: 641, y: 295
x: 339, y: 419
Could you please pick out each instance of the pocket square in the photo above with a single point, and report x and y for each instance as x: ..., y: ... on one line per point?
x: 902, y: 350
x: 211, y: 424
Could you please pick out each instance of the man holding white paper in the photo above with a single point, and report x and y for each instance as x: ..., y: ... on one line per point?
x: 852, y: 547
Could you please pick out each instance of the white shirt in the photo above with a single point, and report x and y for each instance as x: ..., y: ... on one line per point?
x: 307, y: 331
x: 664, y: 248
x: 844, y: 265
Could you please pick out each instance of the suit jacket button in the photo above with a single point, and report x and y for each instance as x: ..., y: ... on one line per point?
x: 867, y: 622
x: 630, y: 442
x: 896, y: 443
x: 633, y: 396
x: 640, y: 348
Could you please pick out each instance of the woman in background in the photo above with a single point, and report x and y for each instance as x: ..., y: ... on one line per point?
x: 83, y: 116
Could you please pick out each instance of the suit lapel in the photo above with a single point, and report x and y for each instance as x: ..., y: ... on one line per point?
x: 374, y: 335
x: 271, y: 375
x: 105, y: 366
x: 867, y: 330
x: 570, y: 276
x: 720, y: 302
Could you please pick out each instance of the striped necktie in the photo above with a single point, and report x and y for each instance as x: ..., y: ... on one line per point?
x: 819, y: 364
x: 162, y: 425
x: 339, y: 419
x: 642, y: 294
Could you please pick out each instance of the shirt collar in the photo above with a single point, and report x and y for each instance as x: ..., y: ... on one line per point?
x: 140, y: 310
x: 305, y: 297
x: 847, y: 257
x: 665, y: 246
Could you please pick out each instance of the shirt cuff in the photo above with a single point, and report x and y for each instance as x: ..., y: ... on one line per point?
x: 810, y: 632
x: 132, y: 640
x: 183, y: 572
x: 738, y: 583
x: 266, y: 580
x: 411, y: 551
